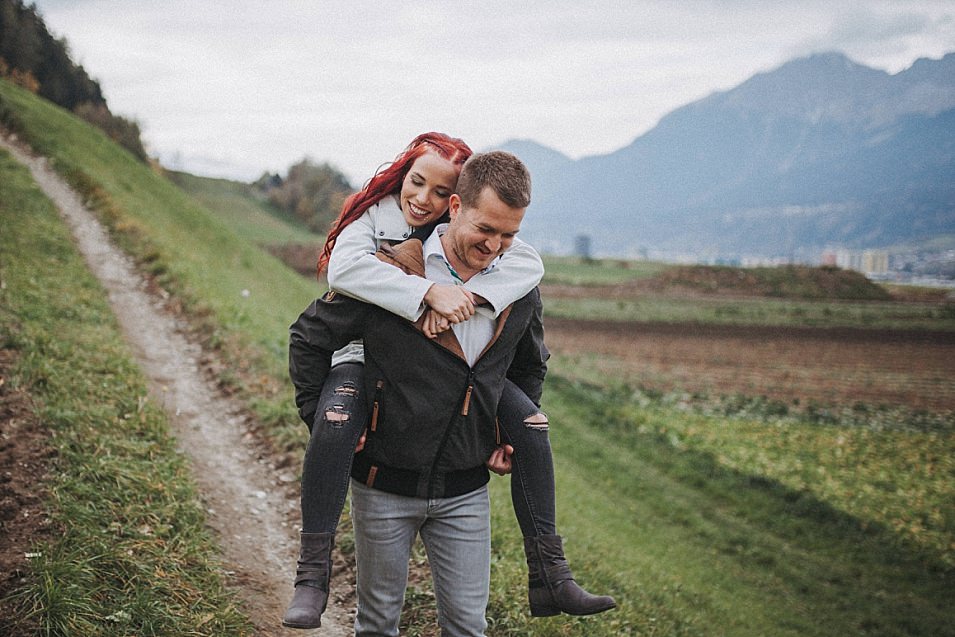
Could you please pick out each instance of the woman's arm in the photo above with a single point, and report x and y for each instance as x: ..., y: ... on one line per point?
x: 519, y: 272
x: 355, y: 271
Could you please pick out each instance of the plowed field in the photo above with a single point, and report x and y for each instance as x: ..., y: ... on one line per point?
x: 829, y: 366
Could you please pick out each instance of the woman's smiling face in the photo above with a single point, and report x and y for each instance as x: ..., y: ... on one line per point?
x: 426, y: 189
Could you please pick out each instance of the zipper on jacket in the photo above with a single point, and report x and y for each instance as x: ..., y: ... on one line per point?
x: 447, y: 432
x: 467, y: 398
x: 374, y: 408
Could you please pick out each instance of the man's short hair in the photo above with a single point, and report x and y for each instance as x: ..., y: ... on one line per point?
x: 503, y: 172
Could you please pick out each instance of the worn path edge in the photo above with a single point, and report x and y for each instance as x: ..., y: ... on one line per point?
x: 247, y: 501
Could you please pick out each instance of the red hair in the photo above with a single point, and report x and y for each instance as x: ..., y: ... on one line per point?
x: 388, y: 180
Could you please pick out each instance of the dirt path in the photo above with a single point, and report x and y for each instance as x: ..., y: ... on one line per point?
x: 248, y: 501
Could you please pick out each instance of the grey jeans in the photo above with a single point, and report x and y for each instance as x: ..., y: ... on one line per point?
x: 457, y: 536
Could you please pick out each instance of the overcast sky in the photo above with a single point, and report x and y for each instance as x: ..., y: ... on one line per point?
x: 237, y: 88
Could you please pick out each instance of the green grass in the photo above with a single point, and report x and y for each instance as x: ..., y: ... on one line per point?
x: 699, y: 524
x: 777, y: 312
x: 575, y: 271
x: 247, y: 213
x: 132, y: 555
x: 703, y: 525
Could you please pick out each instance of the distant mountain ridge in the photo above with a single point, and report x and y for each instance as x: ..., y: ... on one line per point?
x: 821, y: 151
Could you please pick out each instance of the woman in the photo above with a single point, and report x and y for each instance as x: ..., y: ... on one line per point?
x: 411, y: 194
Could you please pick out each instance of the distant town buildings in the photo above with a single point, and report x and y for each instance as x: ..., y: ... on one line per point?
x: 870, y: 262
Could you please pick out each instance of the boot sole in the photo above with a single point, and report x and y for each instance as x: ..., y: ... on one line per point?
x: 595, y: 611
x: 550, y: 611
x: 302, y: 626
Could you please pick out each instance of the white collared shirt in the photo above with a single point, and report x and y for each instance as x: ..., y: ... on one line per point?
x: 475, y: 333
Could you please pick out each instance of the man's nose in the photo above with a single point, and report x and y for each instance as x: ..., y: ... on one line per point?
x: 493, y: 244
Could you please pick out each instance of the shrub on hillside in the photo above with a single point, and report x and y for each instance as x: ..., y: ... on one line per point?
x: 124, y: 132
x: 313, y: 193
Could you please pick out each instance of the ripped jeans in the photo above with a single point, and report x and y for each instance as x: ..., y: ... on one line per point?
x: 341, y: 418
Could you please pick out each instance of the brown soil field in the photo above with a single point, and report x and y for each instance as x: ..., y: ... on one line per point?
x: 915, y: 369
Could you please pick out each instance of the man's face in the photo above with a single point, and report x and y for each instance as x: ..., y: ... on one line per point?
x: 477, y: 235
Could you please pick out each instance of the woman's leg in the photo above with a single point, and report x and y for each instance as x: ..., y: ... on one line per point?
x: 551, y: 585
x: 339, y: 421
x: 525, y: 427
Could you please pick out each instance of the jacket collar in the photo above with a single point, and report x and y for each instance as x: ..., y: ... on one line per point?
x: 389, y: 221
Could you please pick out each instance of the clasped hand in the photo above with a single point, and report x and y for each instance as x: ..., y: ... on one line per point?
x: 447, y: 305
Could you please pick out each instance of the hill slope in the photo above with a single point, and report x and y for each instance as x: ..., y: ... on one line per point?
x: 819, y: 151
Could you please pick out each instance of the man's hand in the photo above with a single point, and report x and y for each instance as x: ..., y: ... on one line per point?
x: 500, y: 460
x: 453, y: 302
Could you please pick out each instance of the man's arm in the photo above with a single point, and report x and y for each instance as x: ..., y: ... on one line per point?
x: 325, y: 326
x: 529, y: 366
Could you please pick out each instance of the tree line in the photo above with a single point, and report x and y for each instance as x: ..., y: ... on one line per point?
x: 32, y: 58
x: 312, y: 192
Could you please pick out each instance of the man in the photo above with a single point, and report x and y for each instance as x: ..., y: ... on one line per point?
x: 431, y: 436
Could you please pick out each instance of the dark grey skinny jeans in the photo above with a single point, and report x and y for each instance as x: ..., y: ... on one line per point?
x: 341, y: 417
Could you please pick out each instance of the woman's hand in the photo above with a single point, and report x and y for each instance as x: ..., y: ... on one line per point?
x: 453, y: 302
x: 434, y: 324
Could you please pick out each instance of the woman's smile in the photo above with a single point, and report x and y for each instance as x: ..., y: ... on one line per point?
x: 426, y: 189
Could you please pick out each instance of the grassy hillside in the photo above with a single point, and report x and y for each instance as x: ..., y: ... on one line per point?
x: 699, y: 524
x: 238, y: 205
x: 240, y: 298
x: 792, y: 282
x: 125, y: 547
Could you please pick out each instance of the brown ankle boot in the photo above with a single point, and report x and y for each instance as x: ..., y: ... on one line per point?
x: 551, y: 585
x: 311, y: 581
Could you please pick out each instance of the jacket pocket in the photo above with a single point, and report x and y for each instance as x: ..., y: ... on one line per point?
x: 376, y: 405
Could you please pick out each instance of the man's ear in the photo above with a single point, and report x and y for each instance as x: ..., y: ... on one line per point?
x: 454, y: 206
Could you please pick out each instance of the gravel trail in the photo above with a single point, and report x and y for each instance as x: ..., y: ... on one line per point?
x: 248, y: 500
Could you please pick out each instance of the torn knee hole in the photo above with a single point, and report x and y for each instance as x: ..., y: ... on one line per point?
x: 337, y: 417
x: 346, y: 389
x: 537, y: 421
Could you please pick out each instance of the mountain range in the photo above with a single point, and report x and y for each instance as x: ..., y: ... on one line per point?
x: 820, y: 152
